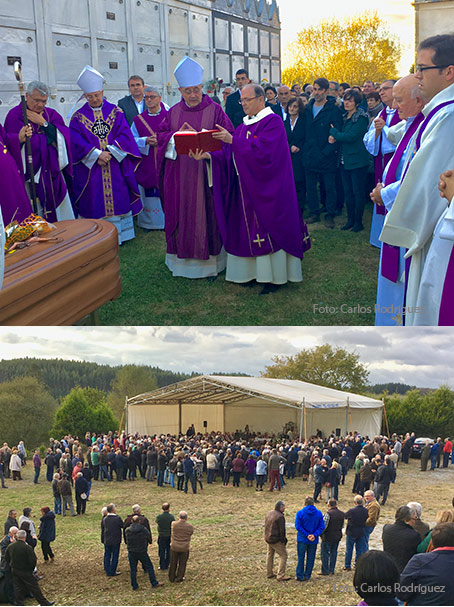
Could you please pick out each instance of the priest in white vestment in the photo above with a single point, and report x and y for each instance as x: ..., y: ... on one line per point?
x: 418, y: 207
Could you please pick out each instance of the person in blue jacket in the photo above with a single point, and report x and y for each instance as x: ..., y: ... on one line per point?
x: 309, y: 524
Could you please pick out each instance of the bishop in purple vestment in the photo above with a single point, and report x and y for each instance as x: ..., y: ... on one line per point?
x: 194, y: 246
x: 144, y: 129
x: 255, y: 199
x: 105, y: 157
x: 14, y: 201
x: 51, y: 152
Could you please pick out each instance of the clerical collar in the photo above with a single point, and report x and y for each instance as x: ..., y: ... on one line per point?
x: 247, y: 120
x: 95, y: 109
x: 154, y: 114
x: 445, y: 95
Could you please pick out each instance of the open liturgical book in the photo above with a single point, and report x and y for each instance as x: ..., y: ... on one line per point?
x: 193, y: 140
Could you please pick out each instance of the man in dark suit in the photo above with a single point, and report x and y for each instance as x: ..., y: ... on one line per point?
x: 283, y: 97
x: 133, y: 104
x: 233, y: 107
x: 111, y: 527
x: 21, y: 559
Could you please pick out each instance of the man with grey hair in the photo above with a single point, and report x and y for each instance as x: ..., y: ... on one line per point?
x: 143, y: 128
x: 51, y: 152
x: 418, y: 525
x: 355, y: 532
x: 180, y: 538
x: 21, y: 559
x: 255, y: 199
x: 400, y: 541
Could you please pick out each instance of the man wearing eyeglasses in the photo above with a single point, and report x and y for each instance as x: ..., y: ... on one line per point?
x: 194, y: 246
x: 377, y: 143
x: 233, y: 107
x: 51, y: 152
x: 144, y: 129
x: 255, y: 199
x: 420, y: 220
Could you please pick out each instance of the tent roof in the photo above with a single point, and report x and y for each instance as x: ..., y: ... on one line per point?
x: 229, y: 389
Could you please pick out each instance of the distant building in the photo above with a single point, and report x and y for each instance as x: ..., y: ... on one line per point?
x: 433, y: 17
x: 55, y: 39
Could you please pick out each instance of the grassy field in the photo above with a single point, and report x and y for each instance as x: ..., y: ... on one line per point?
x: 228, y: 553
x: 340, y: 269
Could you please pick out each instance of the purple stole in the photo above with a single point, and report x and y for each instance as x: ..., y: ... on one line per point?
x: 390, y: 253
x: 381, y: 160
x: 146, y: 173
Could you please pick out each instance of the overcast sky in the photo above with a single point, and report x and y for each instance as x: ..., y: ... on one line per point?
x: 399, y: 16
x: 416, y: 356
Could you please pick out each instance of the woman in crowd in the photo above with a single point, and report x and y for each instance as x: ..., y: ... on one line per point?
x: 250, y: 469
x: 271, y: 95
x: 15, y: 465
x: 260, y: 473
x: 47, y: 533
x: 354, y: 158
x: 237, y: 469
x: 294, y: 128
x: 443, y: 516
x: 227, y: 466
x: 180, y: 473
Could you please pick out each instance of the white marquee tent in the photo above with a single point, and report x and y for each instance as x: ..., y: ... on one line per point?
x: 226, y: 403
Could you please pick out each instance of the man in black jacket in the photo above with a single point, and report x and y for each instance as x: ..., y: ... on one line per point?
x: 133, y: 104
x: 233, y: 107
x: 111, y: 527
x: 21, y: 559
x: 384, y: 476
x: 276, y: 539
x: 320, y: 157
x: 400, y: 540
x: 334, y: 521
x: 137, y: 539
x: 355, y: 532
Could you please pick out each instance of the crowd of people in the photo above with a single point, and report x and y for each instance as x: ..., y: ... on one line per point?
x: 186, y: 460
x: 283, y: 149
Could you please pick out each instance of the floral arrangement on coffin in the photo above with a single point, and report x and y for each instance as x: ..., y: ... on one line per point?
x: 29, y: 230
x: 214, y: 86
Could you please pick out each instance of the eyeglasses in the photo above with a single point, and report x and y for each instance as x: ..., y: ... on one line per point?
x: 151, y: 96
x: 423, y: 68
x: 246, y: 100
x: 43, y: 101
x: 385, y: 88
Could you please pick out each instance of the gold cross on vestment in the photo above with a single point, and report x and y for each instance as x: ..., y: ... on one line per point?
x: 259, y: 240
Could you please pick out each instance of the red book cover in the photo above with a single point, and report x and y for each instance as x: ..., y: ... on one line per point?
x: 191, y: 140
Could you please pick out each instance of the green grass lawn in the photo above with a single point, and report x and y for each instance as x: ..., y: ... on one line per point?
x: 339, y: 270
x: 227, y: 564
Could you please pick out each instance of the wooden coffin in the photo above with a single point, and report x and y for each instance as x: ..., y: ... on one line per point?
x: 58, y: 283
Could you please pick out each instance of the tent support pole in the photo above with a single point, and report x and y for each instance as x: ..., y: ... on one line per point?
x: 223, y: 417
x: 305, y: 420
x: 346, y: 419
x: 127, y: 416
x: 301, y: 420
x: 386, y: 417
x: 179, y: 417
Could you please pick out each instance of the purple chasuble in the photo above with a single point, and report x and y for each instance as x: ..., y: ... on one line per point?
x: 147, y: 125
x: 390, y: 254
x: 14, y: 201
x: 51, y: 188
x: 104, y: 191
x: 381, y: 160
x: 190, y: 221
x: 255, y: 194
x: 446, y: 313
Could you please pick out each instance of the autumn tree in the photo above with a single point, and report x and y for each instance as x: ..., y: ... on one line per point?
x: 324, y: 366
x: 350, y: 50
x: 129, y: 381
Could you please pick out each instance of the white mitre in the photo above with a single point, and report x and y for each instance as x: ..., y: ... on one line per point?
x: 188, y: 72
